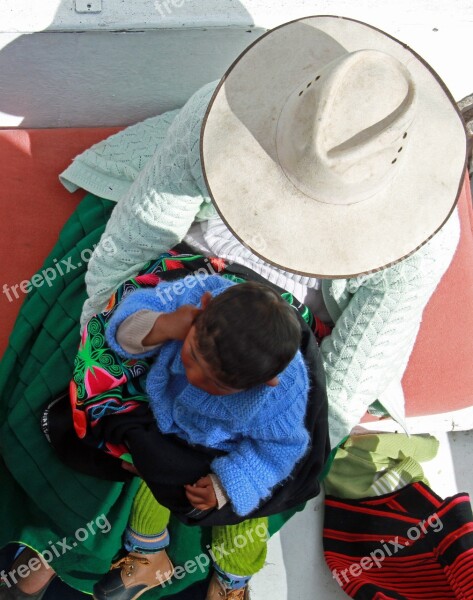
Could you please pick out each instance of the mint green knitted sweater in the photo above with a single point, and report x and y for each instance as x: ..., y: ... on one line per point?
x: 153, y: 171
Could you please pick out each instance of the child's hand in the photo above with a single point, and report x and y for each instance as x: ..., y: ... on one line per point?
x: 176, y: 325
x: 172, y: 326
x: 202, y: 495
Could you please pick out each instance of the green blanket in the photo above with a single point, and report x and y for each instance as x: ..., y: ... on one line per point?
x: 43, y: 503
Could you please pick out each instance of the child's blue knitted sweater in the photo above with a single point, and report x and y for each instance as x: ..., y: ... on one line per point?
x: 261, y: 429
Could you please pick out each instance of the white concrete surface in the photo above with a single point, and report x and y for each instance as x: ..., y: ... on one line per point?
x: 94, y: 79
x: 456, y: 420
x: 56, y: 70
x: 295, y: 568
x: 59, y: 15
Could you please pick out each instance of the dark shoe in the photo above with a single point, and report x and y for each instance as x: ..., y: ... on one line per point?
x: 217, y: 591
x: 9, y: 590
x: 133, y: 575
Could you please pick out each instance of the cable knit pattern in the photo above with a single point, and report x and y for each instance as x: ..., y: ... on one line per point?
x: 109, y: 168
x: 158, y: 209
x: 377, y: 320
x: 261, y: 429
x: 377, y: 316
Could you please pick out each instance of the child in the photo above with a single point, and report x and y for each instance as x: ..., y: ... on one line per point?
x: 226, y: 375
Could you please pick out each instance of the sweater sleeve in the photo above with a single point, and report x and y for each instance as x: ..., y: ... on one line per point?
x: 135, y: 304
x: 108, y: 168
x: 373, y: 338
x: 134, y: 329
x: 249, y: 473
x: 156, y: 212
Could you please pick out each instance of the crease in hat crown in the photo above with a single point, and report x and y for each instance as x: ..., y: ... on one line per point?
x: 342, y: 134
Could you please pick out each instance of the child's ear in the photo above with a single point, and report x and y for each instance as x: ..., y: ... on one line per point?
x: 273, y: 382
x: 205, y: 299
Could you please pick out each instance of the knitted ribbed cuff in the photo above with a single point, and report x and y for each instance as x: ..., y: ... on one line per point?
x: 240, y: 550
x: 147, y: 528
x: 145, y: 544
x: 147, y: 516
x: 93, y: 180
x: 133, y: 330
x: 219, y: 490
x: 230, y: 581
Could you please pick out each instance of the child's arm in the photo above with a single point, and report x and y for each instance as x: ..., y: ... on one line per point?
x: 147, y: 329
x: 141, y: 323
x: 134, y: 330
x: 247, y: 475
x: 172, y: 326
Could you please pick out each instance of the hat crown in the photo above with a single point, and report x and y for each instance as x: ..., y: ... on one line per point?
x: 341, y: 134
x: 336, y: 144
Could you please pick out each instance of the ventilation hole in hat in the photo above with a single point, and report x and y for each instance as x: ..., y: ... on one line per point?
x: 317, y: 78
x: 405, y: 135
x: 393, y: 161
x: 400, y: 149
x: 309, y: 84
x: 300, y: 93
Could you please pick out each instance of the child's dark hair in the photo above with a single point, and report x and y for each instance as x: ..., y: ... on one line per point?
x: 248, y: 334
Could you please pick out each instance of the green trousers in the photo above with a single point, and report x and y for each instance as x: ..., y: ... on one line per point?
x: 238, y: 549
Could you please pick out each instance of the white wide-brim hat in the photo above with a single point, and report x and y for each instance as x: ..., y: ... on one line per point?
x: 331, y: 149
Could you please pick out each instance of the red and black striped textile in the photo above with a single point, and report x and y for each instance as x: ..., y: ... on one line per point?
x: 406, y: 545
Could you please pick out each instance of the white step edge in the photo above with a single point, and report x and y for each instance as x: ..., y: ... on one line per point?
x: 457, y: 420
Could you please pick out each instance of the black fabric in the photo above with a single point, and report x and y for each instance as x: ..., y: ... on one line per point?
x: 167, y: 463
x: 57, y: 426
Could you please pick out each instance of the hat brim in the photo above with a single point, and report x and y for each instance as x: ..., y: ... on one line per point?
x: 279, y: 223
